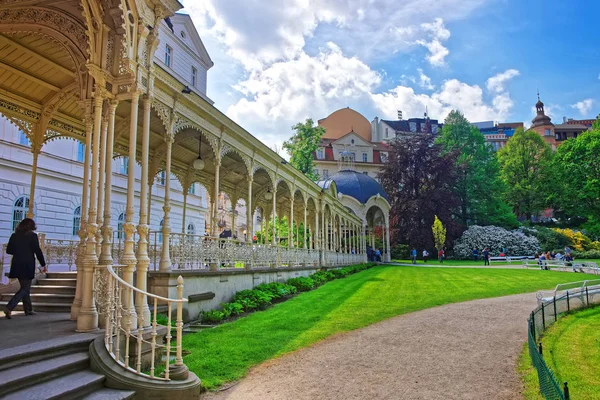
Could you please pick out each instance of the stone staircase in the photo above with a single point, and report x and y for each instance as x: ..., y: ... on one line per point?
x: 52, y: 292
x: 54, y: 369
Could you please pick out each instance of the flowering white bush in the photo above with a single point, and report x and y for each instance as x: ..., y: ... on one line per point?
x: 516, y: 243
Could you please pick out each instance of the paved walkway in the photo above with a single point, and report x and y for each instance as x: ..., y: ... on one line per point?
x: 458, y: 351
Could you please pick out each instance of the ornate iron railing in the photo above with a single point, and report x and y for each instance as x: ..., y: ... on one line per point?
x: 120, y: 333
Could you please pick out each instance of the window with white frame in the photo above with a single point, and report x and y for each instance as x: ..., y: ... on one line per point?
x: 191, y: 229
x: 365, y: 157
x: 80, y: 152
x: 320, y: 154
x: 76, y: 220
x: 120, y: 225
x: 316, y: 172
x: 192, y: 189
x: 383, y: 156
x: 194, y: 76
x: 326, y: 174
x: 161, y: 178
x: 20, y: 207
x: 124, y: 165
x: 168, y: 55
x: 23, y: 139
x: 160, y: 234
x: 386, y: 132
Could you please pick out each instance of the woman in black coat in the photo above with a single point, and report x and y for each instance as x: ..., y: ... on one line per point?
x: 24, y: 246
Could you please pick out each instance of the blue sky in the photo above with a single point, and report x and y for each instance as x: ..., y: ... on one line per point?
x: 296, y: 59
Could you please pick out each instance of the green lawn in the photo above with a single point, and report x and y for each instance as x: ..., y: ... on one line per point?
x: 572, y: 351
x: 460, y: 263
x: 226, y: 352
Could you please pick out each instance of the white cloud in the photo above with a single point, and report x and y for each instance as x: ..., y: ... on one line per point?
x: 424, y: 80
x: 272, y: 68
x: 584, y: 106
x: 287, y: 92
x: 496, y: 83
x: 453, y: 94
x: 437, y: 33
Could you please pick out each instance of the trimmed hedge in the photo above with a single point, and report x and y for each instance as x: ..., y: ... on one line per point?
x: 262, y: 296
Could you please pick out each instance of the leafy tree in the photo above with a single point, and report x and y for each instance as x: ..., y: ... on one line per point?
x: 420, y: 180
x: 439, y: 233
x: 525, y: 168
x: 576, y: 176
x: 302, y: 145
x: 479, y: 186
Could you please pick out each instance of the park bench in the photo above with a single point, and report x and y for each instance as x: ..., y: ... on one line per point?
x: 575, y: 289
x: 507, y: 259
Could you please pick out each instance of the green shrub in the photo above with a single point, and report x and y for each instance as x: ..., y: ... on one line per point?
x: 276, y: 289
x: 586, y: 254
x: 340, y: 273
x: 400, y: 252
x: 253, y: 299
x: 230, y: 309
x: 162, y: 319
x: 302, y: 283
x: 212, y: 316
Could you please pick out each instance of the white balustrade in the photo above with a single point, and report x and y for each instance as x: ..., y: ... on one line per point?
x: 119, y: 336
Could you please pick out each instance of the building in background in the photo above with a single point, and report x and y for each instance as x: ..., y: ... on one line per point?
x: 497, y: 134
x: 349, y: 131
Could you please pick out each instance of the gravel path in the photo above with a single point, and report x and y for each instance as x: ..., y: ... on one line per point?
x: 458, y: 351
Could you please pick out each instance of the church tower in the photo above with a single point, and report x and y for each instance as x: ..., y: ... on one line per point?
x: 542, y: 124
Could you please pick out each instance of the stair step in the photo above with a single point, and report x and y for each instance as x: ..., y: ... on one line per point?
x: 43, y: 307
x: 61, y: 275
x: 57, y: 282
x: 109, y: 394
x: 71, y: 386
x: 53, y: 289
x: 29, y: 374
x: 39, y: 298
x: 39, y: 351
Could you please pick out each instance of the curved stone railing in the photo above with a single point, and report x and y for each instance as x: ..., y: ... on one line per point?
x: 123, y: 330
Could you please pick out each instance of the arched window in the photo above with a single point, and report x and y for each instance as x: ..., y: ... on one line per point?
x: 20, y: 210
x: 191, y: 229
x: 160, y: 235
x: 120, y: 222
x: 76, y: 220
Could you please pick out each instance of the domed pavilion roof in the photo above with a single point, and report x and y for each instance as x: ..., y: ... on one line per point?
x: 355, y: 184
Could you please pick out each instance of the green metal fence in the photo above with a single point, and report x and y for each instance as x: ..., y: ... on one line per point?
x: 548, y: 312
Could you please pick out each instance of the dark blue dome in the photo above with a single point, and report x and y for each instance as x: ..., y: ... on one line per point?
x: 355, y: 184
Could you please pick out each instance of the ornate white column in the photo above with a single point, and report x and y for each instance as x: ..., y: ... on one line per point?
x: 275, y: 222
x: 304, y: 245
x: 249, y: 212
x: 36, y: 149
x: 75, y: 307
x: 87, y: 319
x: 185, y: 195
x: 215, y: 205
x: 388, y: 254
x: 101, y: 179
x: 233, y: 207
x: 107, y: 231
x: 129, y: 259
x: 291, y: 223
x: 143, y: 229
x: 165, y: 257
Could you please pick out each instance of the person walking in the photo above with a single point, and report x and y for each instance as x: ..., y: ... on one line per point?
x: 377, y: 255
x: 475, y: 255
x: 425, y: 256
x: 413, y: 255
x: 24, y: 246
x: 441, y: 256
x: 486, y: 256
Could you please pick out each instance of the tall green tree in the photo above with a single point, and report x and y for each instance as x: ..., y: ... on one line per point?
x: 302, y: 145
x: 576, y: 176
x: 479, y: 187
x: 525, y: 166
